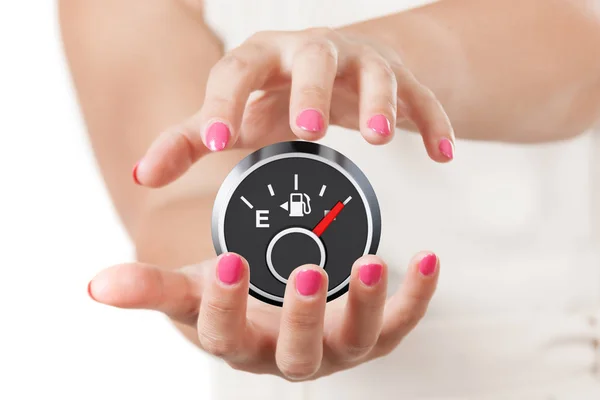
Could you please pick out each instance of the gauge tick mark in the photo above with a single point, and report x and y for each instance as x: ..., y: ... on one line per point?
x: 250, y: 206
x: 271, y: 190
x: 322, y: 190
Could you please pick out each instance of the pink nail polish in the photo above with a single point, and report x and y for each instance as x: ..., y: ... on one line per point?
x: 229, y: 269
x: 370, y: 274
x: 308, y: 282
x: 379, y: 124
x: 446, y: 148
x: 428, y: 264
x: 217, y: 136
x: 134, y: 173
x: 310, y: 120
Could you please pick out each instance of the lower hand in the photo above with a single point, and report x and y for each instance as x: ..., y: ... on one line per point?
x: 284, y: 85
x: 305, y: 339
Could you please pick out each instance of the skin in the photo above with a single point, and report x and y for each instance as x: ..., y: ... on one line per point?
x: 484, y: 70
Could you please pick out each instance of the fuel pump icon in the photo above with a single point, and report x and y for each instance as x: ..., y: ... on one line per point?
x: 299, y: 204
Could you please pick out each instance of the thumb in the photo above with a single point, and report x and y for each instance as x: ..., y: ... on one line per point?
x: 176, y: 293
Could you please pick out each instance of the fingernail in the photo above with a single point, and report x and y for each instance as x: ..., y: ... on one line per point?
x: 308, y: 282
x: 134, y: 173
x: 229, y: 269
x: 310, y: 120
x: 370, y: 274
x: 379, y: 124
x: 446, y: 148
x: 89, y: 289
x: 217, y: 136
x: 428, y: 264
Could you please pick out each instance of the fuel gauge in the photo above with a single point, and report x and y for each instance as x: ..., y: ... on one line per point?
x: 296, y: 203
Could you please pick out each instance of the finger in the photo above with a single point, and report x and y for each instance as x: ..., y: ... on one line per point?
x: 300, y: 343
x: 169, y: 156
x: 222, y: 324
x: 230, y: 82
x: 360, y: 325
x: 420, y: 105
x: 314, y: 70
x: 378, y: 98
x: 406, y: 307
x: 143, y: 286
x: 216, y: 126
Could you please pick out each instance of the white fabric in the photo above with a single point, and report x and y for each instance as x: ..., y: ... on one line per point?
x: 517, y: 311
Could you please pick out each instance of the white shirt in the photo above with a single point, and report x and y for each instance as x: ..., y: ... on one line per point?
x: 517, y: 311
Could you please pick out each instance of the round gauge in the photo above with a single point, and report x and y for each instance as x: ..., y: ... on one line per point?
x: 296, y: 203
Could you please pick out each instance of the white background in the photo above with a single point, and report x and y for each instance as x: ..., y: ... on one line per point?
x: 57, y: 229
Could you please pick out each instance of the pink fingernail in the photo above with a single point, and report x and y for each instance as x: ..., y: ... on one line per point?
x: 370, y: 274
x: 217, y: 136
x: 134, y: 173
x: 446, y: 148
x: 428, y: 264
x: 229, y: 269
x: 310, y: 120
x: 379, y: 124
x: 308, y: 282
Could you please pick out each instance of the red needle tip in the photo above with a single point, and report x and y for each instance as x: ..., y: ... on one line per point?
x: 328, y: 219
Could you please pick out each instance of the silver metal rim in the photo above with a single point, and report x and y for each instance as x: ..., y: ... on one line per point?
x: 298, y: 149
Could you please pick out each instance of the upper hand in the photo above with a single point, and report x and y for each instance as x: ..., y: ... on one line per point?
x: 305, y: 81
x: 302, y: 340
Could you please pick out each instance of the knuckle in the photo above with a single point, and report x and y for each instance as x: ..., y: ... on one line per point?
x: 231, y: 63
x: 402, y: 70
x: 216, y: 345
x: 321, y: 48
x: 424, y: 97
x: 364, y: 51
x: 427, y: 94
x: 297, y: 370
x: 252, y: 47
x: 379, y: 68
x: 354, y: 350
x: 213, y: 339
x: 300, y: 323
x: 216, y: 100
x: 315, y: 92
x: 385, y: 103
x: 220, y: 309
x: 238, y: 366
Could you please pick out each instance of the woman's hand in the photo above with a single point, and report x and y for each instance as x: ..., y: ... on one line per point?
x: 304, y: 339
x: 304, y: 81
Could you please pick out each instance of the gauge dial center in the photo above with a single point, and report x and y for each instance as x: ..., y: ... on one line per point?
x: 298, y: 244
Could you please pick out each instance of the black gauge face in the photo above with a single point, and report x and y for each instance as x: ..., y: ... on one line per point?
x: 292, y: 204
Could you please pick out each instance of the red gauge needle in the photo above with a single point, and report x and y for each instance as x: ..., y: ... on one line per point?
x: 328, y: 219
